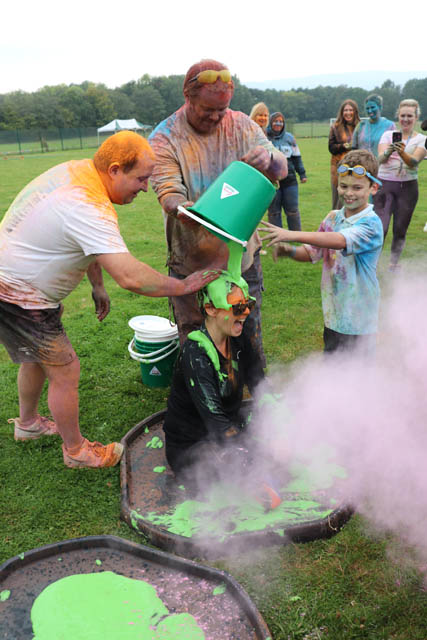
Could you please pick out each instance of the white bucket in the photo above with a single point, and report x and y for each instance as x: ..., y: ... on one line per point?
x: 155, y: 346
x: 153, y: 329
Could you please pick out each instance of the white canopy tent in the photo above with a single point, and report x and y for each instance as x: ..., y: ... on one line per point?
x: 120, y: 125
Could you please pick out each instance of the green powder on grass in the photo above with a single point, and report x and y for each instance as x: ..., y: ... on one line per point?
x: 107, y: 606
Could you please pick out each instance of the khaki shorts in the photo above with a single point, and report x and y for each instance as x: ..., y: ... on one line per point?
x: 35, y: 335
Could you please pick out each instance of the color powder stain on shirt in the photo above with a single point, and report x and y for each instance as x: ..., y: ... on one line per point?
x: 4, y: 595
x: 107, y: 606
x: 159, y: 469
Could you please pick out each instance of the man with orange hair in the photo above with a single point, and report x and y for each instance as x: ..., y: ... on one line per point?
x: 61, y: 226
x: 193, y: 146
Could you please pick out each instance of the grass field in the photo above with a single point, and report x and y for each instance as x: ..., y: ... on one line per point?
x: 343, y: 588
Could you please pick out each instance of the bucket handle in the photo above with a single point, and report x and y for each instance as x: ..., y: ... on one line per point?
x: 142, y: 357
x: 211, y: 226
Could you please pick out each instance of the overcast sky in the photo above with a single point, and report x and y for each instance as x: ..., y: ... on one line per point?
x: 47, y: 43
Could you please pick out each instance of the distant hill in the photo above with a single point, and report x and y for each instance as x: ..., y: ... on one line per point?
x: 365, y: 79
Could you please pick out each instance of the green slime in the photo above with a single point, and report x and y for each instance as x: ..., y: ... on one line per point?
x: 107, y: 606
x: 208, y: 346
x: 228, y: 510
x: 216, y: 292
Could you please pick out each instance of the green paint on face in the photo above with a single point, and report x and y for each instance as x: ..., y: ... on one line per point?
x: 106, y: 606
x: 207, y: 345
x: 4, y: 595
x: 159, y: 469
x: 155, y: 443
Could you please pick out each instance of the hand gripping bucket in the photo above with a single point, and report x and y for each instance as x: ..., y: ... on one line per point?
x: 235, y: 202
x: 155, y: 346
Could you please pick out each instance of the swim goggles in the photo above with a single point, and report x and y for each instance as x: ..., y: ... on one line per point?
x: 358, y: 171
x: 209, y: 76
x: 241, y: 307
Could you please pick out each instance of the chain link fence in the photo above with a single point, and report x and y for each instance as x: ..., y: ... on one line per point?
x: 22, y: 141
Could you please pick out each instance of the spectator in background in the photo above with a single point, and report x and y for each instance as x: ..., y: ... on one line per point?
x: 399, y: 172
x: 287, y: 194
x: 367, y: 134
x: 340, y: 137
x: 260, y: 115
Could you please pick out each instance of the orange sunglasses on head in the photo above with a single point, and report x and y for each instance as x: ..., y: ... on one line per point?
x: 209, y: 76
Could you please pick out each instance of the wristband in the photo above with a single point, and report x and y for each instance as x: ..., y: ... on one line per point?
x: 292, y: 251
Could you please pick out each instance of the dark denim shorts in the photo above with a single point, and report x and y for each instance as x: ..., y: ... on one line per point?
x: 34, y: 335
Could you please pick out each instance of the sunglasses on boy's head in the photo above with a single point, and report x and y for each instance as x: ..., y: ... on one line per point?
x: 209, y: 76
x: 241, y: 307
x: 358, y: 171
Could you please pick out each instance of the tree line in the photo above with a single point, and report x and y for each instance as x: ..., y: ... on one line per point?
x: 151, y: 99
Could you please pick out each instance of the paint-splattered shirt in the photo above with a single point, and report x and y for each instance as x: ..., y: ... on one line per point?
x: 350, y: 289
x: 367, y: 134
x: 51, y: 233
x: 204, y: 403
x: 187, y: 164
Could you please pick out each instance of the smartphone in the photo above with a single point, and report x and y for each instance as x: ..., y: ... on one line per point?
x: 396, y: 136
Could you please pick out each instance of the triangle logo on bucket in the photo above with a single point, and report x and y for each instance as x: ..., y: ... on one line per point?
x: 155, y: 372
x: 227, y: 191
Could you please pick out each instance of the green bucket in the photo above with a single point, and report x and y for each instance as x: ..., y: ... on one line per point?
x: 235, y: 202
x: 155, y: 346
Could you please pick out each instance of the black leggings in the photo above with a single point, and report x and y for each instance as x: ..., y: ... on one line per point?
x: 397, y: 199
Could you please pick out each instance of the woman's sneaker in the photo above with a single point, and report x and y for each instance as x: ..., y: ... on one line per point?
x: 41, y: 427
x: 93, y: 455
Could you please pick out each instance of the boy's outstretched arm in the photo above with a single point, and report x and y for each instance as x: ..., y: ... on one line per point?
x: 285, y: 250
x: 322, y: 239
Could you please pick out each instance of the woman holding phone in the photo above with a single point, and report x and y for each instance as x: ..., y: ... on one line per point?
x: 399, y: 153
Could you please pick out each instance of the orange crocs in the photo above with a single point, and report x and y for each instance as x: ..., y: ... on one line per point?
x: 40, y: 427
x: 93, y: 455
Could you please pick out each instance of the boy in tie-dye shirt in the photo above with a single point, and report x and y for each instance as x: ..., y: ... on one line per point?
x: 350, y: 241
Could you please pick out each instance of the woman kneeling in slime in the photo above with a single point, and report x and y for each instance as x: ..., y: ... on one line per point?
x: 204, y: 424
